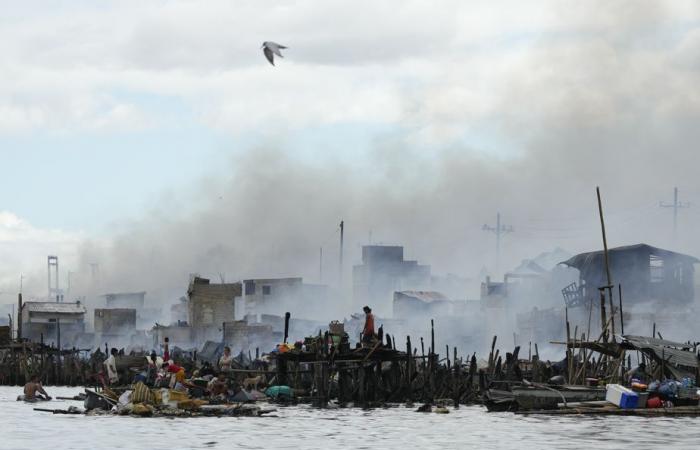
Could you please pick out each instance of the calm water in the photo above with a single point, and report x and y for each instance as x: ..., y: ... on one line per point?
x: 307, y: 428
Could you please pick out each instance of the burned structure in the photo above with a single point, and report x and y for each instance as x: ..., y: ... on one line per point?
x: 209, y: 306
x: 410, y: 304
x: 61, y: 323
x: 647, y: 274
x: 114, y: 324
x: 242, y: 336
x: 270, y: 295
x: 145, y: 315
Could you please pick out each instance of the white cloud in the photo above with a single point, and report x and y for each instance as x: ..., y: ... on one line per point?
x: 25, y: 248
x: 436, y: 68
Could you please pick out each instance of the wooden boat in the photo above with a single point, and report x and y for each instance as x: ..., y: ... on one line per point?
x: 537, y: 397
x: 497, y: 400
x: 546, y: 397
x: 95, y: 400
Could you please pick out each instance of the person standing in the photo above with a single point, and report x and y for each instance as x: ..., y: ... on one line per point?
x: 368, y: 333
x: 226, y: 360
x: 111, y: 367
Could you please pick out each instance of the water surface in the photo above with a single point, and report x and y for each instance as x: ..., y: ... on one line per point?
x: 307, y: 428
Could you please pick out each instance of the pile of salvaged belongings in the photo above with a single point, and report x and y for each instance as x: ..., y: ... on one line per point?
x: 144, y: 401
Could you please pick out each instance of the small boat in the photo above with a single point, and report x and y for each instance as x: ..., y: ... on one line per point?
x: 497, y: 400
x: 539, y: 396
x: 546, y: 397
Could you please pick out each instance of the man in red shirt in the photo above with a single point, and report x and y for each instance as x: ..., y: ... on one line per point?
x: 368, y: 334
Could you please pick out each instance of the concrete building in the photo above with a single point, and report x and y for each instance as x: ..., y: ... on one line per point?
x: 179, y: 311
x: 135, y: 300
x: 383, y: 271
x: 276, y: 295
x: 145, y: 315
x: 243, y: 336
x: 57, y: 322
x: 179, y: 335
x: 209, y: 306
x: 115, y: 325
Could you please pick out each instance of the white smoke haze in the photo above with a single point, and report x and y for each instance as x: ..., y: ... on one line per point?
x: 473, y: 109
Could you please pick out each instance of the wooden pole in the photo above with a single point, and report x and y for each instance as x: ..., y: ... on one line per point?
x: 605, y: 250
x: 605, y: 240
x: 491, y: 354
x: 287, y: 316
x: 603, y: 317
x: 619, y: 298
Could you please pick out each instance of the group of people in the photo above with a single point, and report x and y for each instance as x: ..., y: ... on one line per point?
x: 162, y: 372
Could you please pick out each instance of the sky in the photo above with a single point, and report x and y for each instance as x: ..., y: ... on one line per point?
x: 154, y: 139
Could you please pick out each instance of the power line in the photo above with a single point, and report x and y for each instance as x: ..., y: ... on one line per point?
x: 500, y: 229
x: 676, y: 205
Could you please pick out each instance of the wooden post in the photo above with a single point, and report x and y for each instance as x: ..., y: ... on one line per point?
x: 19, y: 317
x: 287, y: 315
x: 605, y: 240
x: 605, y: 250
x: 603, y: 317
x: 568, y: 346
x: 622, y: 321
x: 409, y: 371
x: 456, y: 386
x: 342, y: 384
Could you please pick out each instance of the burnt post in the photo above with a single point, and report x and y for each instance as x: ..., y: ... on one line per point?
x: 409, y: 366
x: 457, y: 391
x: 19, y: 316
x: 287, y: 315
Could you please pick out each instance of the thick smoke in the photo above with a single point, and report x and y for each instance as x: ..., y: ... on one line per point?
x: 602, y: 106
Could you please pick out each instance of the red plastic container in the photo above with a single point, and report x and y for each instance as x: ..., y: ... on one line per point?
x: 654, y: 402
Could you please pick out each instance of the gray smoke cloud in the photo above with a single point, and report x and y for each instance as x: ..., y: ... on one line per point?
x: 606, y: 96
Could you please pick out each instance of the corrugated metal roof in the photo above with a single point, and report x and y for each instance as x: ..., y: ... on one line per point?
x: 55, y: 308
x: 425, y: 296
x: 670, y: 351
x: 584, y: 260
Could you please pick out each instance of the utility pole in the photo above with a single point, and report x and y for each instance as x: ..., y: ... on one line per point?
x: 499, y: 230
x: 676, y: 205
x: 340, y: 267
x: 320, y: 265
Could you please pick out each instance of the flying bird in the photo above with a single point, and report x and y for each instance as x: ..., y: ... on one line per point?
x: 271, y: 49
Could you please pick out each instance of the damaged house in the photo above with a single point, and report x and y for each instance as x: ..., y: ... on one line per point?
x: 114, y: 324
x: 647, y: 275
x: 209, y: 306
x: 411, y: 304
x: 60, y: 323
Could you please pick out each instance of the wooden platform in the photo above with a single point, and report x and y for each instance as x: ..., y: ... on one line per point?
x: 684, y: 411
